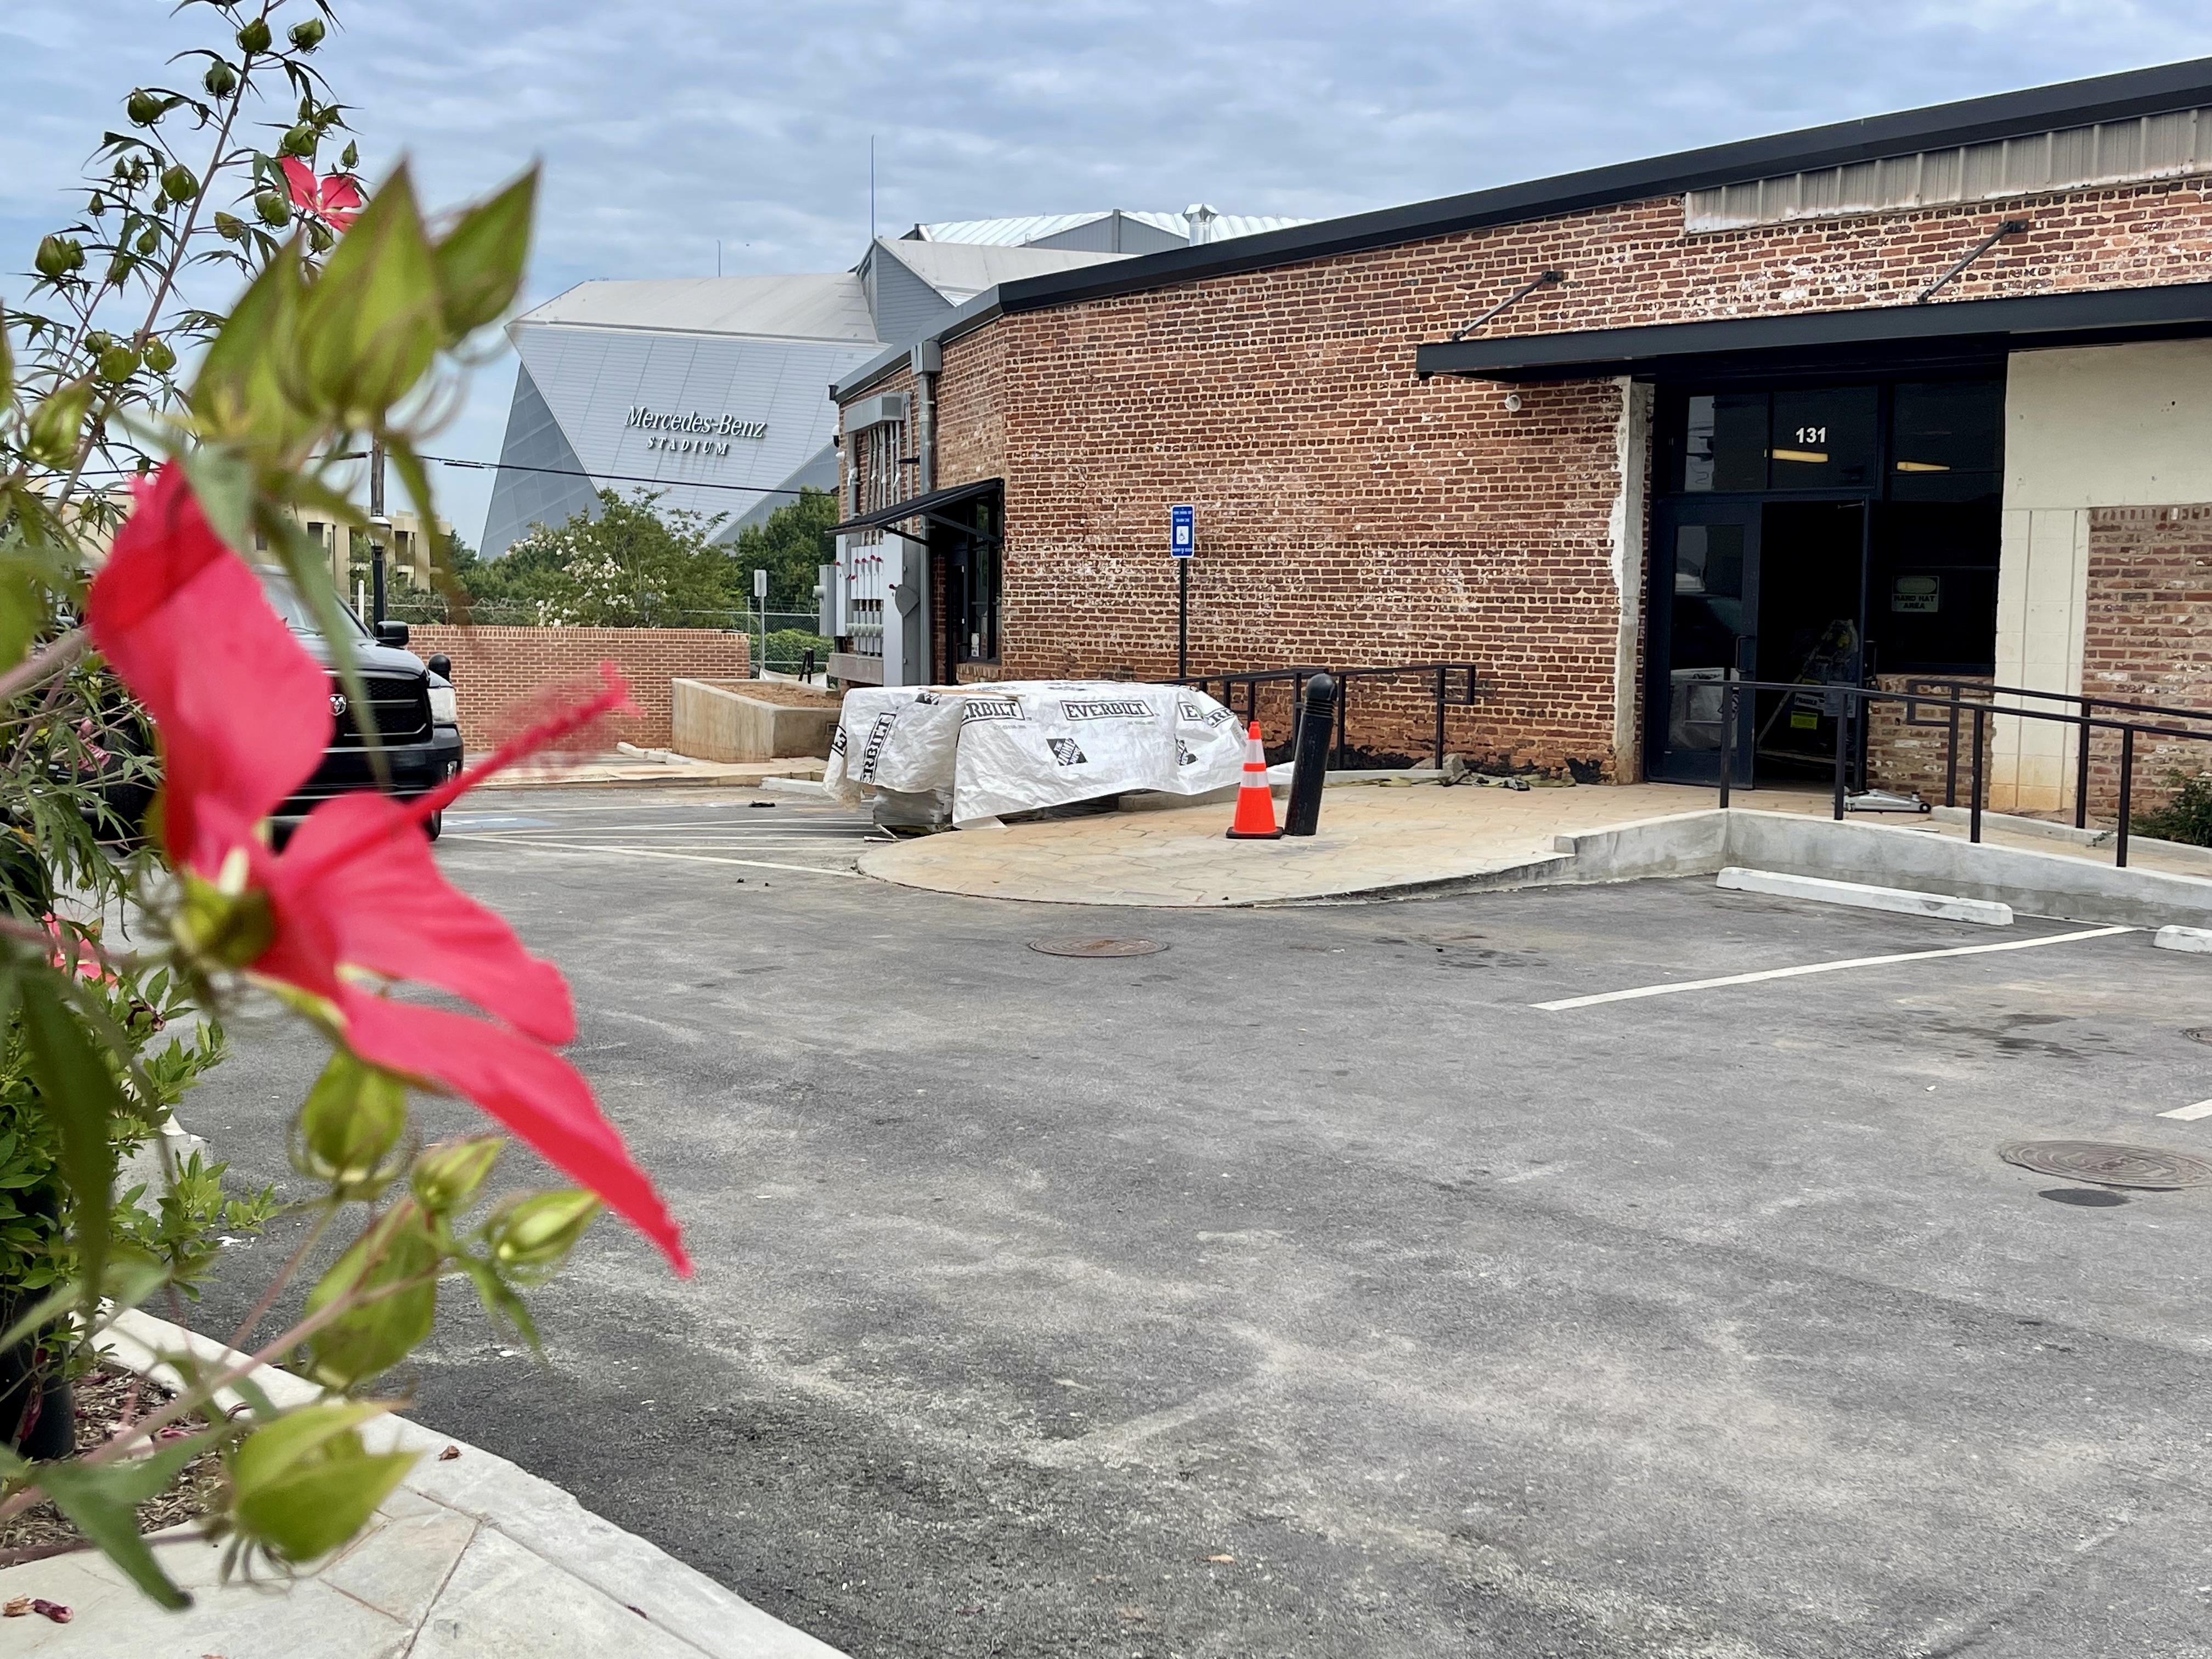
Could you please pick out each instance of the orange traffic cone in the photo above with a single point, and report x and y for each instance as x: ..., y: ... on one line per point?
x: 1255, y: 806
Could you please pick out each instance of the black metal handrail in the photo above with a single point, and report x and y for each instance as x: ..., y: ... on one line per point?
x: 2085, y: 706
x: 1844, y: 703
x: 1252, y: 678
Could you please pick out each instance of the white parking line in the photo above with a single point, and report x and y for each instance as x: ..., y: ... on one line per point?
x: 2191, y: 1114
x: 1822, y: 968
x: 534, y: 845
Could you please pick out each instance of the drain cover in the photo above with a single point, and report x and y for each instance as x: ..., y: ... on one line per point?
x: 1096, y: 947
x: 2107, y: 1165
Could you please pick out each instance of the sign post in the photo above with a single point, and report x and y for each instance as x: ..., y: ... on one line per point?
x: 1181, y: 544
x: 760, y: 601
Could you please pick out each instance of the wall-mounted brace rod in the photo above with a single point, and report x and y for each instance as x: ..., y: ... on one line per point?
x: 2010, y: 228
x: 1512, y: 299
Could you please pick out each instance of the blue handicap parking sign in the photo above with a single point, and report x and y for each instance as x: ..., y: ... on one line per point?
x: 1182, y: 522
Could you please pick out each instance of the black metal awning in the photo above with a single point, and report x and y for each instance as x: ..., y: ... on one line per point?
x: 931, y: 509
x: 1957, y: 333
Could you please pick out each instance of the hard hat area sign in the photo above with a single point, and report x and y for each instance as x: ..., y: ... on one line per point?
x: 1182, y: 531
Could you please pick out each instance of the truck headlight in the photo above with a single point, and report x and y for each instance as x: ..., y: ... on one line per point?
x: 445, y: 705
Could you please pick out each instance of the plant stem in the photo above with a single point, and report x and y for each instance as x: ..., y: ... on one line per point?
x: 247, y: 1325
x: 50, y: 658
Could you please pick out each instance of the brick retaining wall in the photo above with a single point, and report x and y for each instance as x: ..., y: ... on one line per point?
x: 495, y: 668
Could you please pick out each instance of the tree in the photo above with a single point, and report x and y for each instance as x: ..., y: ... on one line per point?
x: 634, y: 566
x: 793, y: 543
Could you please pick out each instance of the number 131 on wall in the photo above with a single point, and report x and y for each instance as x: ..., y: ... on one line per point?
x: 1181, y: 532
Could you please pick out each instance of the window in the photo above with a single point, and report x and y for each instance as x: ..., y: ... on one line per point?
x: 877, y: 481
x: 1915, y: 440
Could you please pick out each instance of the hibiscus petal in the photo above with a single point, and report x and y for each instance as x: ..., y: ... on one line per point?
x: 385, y: 906
x: 242, y: 711
x: 300, y: 181
x: 532, y: 1090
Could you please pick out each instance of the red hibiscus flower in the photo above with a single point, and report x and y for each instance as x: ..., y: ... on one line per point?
x: 337, y: 200
x: 354, y: 903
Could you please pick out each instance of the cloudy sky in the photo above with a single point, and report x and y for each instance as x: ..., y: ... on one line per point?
x: 667, y: 125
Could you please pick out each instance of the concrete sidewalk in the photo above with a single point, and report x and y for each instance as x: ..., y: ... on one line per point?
x: 1380, y: 840
x: 470, y: 1556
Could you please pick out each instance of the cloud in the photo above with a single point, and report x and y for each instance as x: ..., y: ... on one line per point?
x: 668, y: 126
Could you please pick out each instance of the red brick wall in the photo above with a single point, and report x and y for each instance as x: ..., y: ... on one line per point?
x: 1915, y: 757
x: 495, y: 668
x: 1349, y: 513
x: 2147, y: 638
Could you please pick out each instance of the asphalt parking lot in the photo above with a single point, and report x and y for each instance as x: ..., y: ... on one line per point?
x: 1307, y: 1288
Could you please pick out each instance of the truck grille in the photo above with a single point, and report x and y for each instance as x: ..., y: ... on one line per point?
x: 401, y: 708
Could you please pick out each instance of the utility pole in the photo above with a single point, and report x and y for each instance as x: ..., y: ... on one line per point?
x: 380, y: 532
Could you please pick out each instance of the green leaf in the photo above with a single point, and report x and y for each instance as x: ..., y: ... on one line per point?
x: 372, y: 321
x: 82, y: 1095
x: 245, y: 388
x: 222, y: 484
x: 306, y: 1483
x: 480, y: 261
x: 102, y: 1498
x: 7, y: 365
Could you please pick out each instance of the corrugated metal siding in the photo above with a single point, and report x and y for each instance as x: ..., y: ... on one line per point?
x: 550, y: 496
x: 2114, y: 152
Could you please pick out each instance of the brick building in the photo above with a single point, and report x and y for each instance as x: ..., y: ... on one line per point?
x: 1925, y: 394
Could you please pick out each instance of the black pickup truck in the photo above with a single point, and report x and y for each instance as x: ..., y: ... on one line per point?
x: 416, y: 718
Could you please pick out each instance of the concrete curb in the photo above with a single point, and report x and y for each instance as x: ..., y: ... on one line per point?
x: 472, y: 1555
x: 2033, y: 883
x: 1941, y: 906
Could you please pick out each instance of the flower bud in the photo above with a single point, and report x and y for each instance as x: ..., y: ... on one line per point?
x: 306, y: 36
x: 55, y: 423
x: 373, y: 1337
x: 179, y: 184
x: 306, y: 1483
x: 120, y: 267
x: 118, y: 363
x: 144, y: 107
x: 319, y: 238
x: 299, y: 140
x: 446, y: 1176
x: 254, y: 37
x: 230, y: 227
x: 353, y: 1116
x: 98, y: 341
x: 58, y: 256
x: 531, y: 1236
x: 97, y: 207
x: 159, y: 357
x: 228, y: 929
x: 149, y: 241
x: 273, y: 209
x: 351, y: 157
x: 221, y: 79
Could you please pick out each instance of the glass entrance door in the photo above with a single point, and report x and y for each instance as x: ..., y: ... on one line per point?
x: 1704, y: 607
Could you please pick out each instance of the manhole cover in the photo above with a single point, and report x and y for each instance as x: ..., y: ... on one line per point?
x: 1096, y: 947
x: 2107, y: 1165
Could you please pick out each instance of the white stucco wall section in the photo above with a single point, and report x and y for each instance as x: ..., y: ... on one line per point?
x: 2100, y: 426
x: 1627, y: 532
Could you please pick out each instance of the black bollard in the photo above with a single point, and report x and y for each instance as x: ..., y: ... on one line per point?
x: 1309, y: 770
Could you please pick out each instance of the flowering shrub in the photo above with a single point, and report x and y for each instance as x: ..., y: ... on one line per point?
x: 180, y: 674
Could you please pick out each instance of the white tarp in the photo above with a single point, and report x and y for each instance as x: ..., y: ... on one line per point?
x: 1028, y: 744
